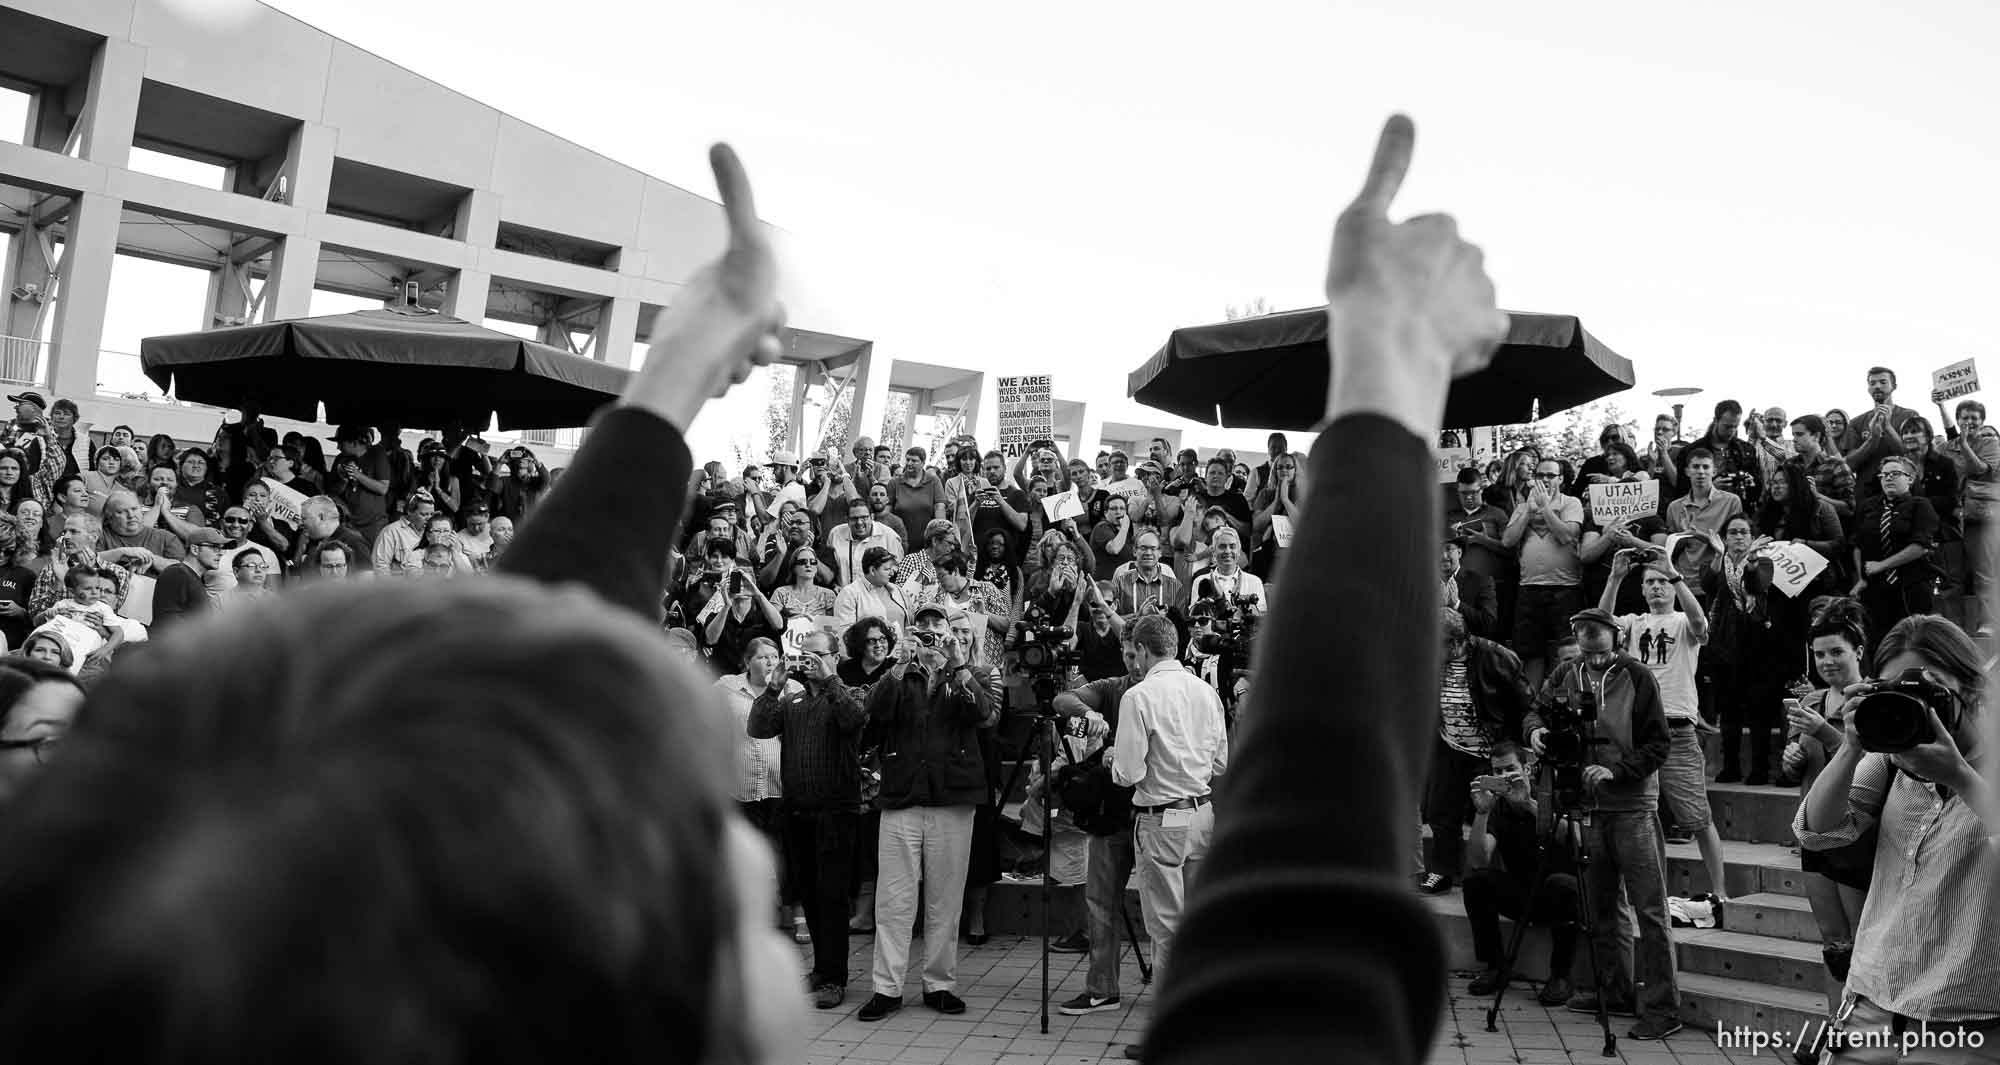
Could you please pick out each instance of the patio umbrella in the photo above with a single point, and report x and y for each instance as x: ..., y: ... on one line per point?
x: 377, y: 366
x: 1270, y: 372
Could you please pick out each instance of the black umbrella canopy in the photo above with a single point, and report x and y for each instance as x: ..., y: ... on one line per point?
x: 381, y: 366
x: 1270, y: 372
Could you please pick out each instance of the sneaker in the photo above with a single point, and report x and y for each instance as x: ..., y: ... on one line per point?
x: 829, y: 996
x: 1434, y: 884
x: 944, y: 1002
x: 1485, y: 983
x: 1554, y: 993
x: 1587, y: 1003
x: 1132, y: 1052
x: 1651, y: 1030
x: 878, y: 1007
x: 800, y: 933
x: 1087, y: 1003
x: 1074, y: 943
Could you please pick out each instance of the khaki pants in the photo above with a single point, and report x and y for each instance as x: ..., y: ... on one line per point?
x: 1167, y: 860
x: 929, y: 846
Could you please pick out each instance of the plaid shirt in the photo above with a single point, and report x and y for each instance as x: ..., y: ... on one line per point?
x: 1831, y: 477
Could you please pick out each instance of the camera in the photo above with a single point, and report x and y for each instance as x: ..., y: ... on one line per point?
x: 926, y: 638
x: 1037, y: 644
x: 1224, y: 625
x: 1566, y: 743
x: 1890, y: 718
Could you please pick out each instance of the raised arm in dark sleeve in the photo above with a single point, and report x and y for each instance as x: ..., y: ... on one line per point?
x: 610, y: 521
x: 1315, y: 815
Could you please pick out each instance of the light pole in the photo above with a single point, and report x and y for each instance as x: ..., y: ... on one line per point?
x: 1677, y: 394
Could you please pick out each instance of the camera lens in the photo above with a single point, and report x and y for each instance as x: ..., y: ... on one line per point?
x: 1890, y: 722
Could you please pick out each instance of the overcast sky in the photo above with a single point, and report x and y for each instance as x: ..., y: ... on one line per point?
x: 1760, y: 200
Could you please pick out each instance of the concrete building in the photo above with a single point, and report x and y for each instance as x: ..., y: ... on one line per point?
x: 334, y: 170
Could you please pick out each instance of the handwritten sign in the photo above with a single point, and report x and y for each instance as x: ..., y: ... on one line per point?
x: 1794, y: 566
x: 1063, y: 504
x: 287, y: 504
x: 1623, y: 499
x: 1281, y: 530
x: 1450, y: 460
x: 1958, y: 379
x: 796, y: 631
x: 1027, y: 412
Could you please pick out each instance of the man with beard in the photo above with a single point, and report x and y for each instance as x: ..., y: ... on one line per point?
x: 1736, y: 465
x: 1875, y: 433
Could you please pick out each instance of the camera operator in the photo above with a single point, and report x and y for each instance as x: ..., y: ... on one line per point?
x: 1482, y: 698
x: 1620, y: 751
x: 1111, y: 857
x: 1505, y: 826
x: 1927, y: 952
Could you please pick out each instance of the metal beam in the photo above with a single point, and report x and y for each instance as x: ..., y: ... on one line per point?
x: 252, y: 247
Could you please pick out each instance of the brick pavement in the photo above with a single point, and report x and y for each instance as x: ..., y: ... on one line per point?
x: 1001, y: 985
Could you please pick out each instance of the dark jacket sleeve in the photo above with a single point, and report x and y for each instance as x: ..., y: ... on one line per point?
x: 1651, y: 742
x: 609, y: 523
x: 767, y: 716
x: 1482, y: 615
x: 1315, y: 813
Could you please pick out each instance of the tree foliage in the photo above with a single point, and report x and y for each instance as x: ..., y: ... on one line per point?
x: 1252, y: 309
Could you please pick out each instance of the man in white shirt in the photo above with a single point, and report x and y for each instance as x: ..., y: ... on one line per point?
x: 399, y: 547
x: 850, y: 542
x: 1667, y: 639
x: 1171, y: 743
x: 1122, y: 483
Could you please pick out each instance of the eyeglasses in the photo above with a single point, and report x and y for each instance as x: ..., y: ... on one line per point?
x: 797, y: 562
x: 236, y: 521
x: 1895, y: 475
x: 1549, y: 476
x: 42, y: 747
x: 873, y: 640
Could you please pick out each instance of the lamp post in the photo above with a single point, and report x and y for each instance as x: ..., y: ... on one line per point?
x: 1677, y: 394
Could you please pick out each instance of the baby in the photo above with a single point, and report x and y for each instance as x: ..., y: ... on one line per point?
x: 93, y: 624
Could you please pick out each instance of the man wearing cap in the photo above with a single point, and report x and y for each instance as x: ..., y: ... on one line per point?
x: 31, y: 428
x: 1623, y: 750
x: 183, y: 588
x: 360, y: 479
x: 926, y: 716
x: 399, y: 549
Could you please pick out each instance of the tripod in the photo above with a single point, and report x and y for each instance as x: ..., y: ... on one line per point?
x: 1566, y: 823
x: 1041, y: 743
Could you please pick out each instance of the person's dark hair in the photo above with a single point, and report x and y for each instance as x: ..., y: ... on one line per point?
x: 966, y: 460
x: 874, y: 557
x: 1873, y: 370
x: 1506, y: 748
x: 1469, y: 476
x: 1972, y: 405
x: 129, y: 431
x: 1840, y: 617
x: 313, y: 455
x: 860, y: 501
x: 98, y: 455
x: 1922, y: 425
x: 1940, y: 643
x: 1799, y: 513
x: 715, y: 546
x: 319, y: 553
x: 1625, y: 452
x: 161, y: 448
x: 1694, y: 453
x: 62, y: 485
x: 78, y: 574
x: 401, y: 802
x: 954, y: 562
x: 1815, y: 427
x: 1728, y: 406
x: 922, y: 455
x: 855, y: 640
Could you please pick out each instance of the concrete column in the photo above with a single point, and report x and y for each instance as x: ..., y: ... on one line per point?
x: 225, y: 296
x: 1069, y: 422
x: 617, y: 330
x: 478, y: 222
x: 111, y: 104
x: 467, y: 295
x: 975, y: 401
x: 309, y: 166
x: 871, y: 396
x: 294, y: 270
x: 1092, y: 437
x: 86, y: 292
x: 798, y: 438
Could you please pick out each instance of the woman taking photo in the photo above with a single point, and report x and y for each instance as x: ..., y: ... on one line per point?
x: 1836, y: 880
x: 1925, y: 949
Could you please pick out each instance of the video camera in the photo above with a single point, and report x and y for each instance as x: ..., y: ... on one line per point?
x: 1890, y: 717
x: 1038, y: 645
x: 1566, y: 742
x: 1224, y: 625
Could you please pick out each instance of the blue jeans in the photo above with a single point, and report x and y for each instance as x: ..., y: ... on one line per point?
x: 1110, y: 867
x: 1625, y: 850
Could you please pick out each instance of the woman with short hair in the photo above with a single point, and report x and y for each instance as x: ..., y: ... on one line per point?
x: 1893, y: 536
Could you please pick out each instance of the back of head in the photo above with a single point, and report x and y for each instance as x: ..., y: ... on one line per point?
x: 409, y: 841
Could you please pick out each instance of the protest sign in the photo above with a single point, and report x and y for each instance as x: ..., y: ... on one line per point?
x: 1281, y: 530
x: 1063, y: 504
x: 1450, y: 460
x: 1027, y: 413
x: 1623, y: 499
x: 1793, y: 566
x: 796, y: 631
x: 1958, y: 379
x: 287, y: 504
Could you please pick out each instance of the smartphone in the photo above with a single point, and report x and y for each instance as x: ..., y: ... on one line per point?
x: 1496, y: 785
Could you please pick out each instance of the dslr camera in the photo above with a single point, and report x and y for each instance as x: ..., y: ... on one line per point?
x: 1890, y: 718
x: 1567, y: 741
x: 1224, y: 624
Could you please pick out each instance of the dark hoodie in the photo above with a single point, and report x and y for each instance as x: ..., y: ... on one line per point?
x: 1631, y: 730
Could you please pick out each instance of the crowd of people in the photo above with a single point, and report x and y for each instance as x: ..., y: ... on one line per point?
x: 1696, y: 618
x: 489, y: 817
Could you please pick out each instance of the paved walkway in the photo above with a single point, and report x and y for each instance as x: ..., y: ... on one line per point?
x: 1001, y: 985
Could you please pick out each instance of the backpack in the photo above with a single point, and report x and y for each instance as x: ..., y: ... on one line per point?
x: 1095, y: 804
